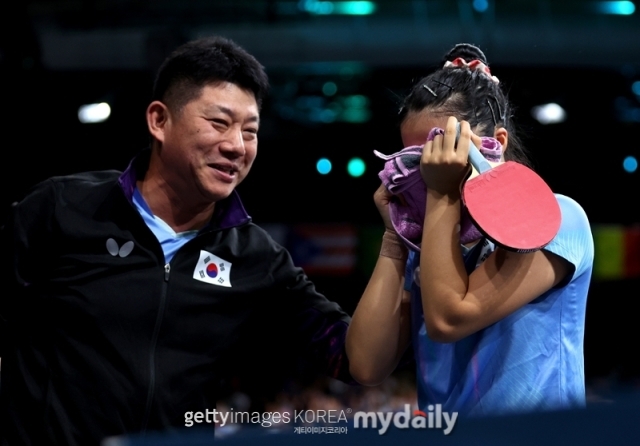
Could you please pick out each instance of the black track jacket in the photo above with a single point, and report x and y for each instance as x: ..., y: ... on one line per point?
x: 104, y: 338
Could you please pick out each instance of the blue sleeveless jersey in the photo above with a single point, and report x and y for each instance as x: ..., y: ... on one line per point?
x: 532, y: 359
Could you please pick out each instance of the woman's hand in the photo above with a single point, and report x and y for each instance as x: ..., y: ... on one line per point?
x: 382, y: 197
x: 444, y: 164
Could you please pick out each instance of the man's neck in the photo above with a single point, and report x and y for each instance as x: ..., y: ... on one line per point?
x: 166, y: 203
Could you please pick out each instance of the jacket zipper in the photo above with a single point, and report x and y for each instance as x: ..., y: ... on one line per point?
x: 152, y: 351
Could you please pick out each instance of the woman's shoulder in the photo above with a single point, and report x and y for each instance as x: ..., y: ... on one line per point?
x: 574, y: 240
x: 571, y: 208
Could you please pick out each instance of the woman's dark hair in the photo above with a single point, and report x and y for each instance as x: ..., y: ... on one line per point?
x: 468, y: 94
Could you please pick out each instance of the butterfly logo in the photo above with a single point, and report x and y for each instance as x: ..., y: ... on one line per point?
x: 115, y: 250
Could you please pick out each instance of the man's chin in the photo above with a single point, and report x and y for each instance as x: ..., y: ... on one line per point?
x: 217, y: 191
x: 214, y: 196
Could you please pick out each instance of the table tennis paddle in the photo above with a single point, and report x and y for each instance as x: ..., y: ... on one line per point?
x: 510, y: 204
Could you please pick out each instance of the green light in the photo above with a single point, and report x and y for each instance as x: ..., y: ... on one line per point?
x: 354, y: 8
x: 356, y: 109
x: 356, y: 101
x: 338, y: 7
x: 355, y: 115
x: 356, y: 167
x: 329, y: 88
x: 616, y: 8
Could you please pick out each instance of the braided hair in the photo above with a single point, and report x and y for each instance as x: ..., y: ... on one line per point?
x: 468, y: 94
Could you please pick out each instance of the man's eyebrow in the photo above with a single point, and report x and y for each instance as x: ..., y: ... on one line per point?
x: 233, y: 115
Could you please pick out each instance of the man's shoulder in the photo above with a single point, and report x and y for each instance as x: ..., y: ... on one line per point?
x: 83, y: 183
x: 260, y: 244
x: 96, y: 178
x: 259, y: 237
x: 81, y: 190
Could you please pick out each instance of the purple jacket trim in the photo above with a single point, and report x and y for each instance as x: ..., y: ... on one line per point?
x: 329, y: 340
x: 228, y: 213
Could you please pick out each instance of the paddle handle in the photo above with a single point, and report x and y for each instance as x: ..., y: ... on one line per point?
x: 475, y: 157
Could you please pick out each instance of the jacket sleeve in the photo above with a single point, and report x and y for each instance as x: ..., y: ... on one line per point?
x: 6, y: 284
x: 27, y: 245
x: 319, y: 324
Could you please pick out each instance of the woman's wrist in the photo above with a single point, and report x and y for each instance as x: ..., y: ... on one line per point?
x: 392, y: 246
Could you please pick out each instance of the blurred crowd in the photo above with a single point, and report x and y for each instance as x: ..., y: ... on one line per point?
x: 321, y: 396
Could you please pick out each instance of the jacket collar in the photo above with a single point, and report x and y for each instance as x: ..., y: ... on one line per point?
x: 228, y: 213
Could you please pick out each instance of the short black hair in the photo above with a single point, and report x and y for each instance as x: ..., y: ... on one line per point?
x: 215, y: 59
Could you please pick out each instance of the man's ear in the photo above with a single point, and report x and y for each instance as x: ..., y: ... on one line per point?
x: 502, y: 135
x: 157, y: 117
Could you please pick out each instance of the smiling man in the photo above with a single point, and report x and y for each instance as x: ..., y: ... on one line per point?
x: 202, y: 150
x: 156, y: 276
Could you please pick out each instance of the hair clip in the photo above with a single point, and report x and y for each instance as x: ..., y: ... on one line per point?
x: 500, y: 114
x: 429, y: 90
x: 493, y: 115
x: 443, y: 84
x: 474, y: 65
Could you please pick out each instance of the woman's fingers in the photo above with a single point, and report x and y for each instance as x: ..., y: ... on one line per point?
x: 450, y: 134
x: 444, y: 160
x: 381, y: 198
x: 462, y: 148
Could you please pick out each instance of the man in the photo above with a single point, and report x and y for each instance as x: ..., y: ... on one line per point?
x: 132, y: 290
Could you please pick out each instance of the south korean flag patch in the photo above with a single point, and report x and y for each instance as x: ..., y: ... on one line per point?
x: 212, y: 269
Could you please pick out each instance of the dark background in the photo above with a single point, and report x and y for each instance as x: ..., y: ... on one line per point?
x: 56, y: 55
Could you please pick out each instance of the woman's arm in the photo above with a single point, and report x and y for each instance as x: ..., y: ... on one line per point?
x: 379, y: 332
x: 456, y: 304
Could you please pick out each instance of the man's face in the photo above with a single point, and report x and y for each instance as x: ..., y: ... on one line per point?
x: 209, y: 145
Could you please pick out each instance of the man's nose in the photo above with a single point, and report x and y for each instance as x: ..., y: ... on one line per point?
x: 233, y: 143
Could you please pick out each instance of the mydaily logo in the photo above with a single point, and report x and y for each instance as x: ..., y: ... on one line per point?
x: 432, y: 419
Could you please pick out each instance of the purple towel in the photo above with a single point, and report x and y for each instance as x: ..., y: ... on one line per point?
x: 401, y: 175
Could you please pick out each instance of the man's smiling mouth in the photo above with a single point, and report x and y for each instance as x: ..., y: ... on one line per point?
x: 228, y: 169
x: 224, y: 172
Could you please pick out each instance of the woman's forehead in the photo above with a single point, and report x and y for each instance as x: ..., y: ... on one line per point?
x: 417, y: 125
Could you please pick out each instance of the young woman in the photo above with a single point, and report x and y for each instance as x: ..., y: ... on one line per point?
x: 493, y: 331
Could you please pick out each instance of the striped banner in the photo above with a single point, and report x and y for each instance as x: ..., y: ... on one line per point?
x: 617, y: 252
x: 327, y: 249
x: 337, y: 249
